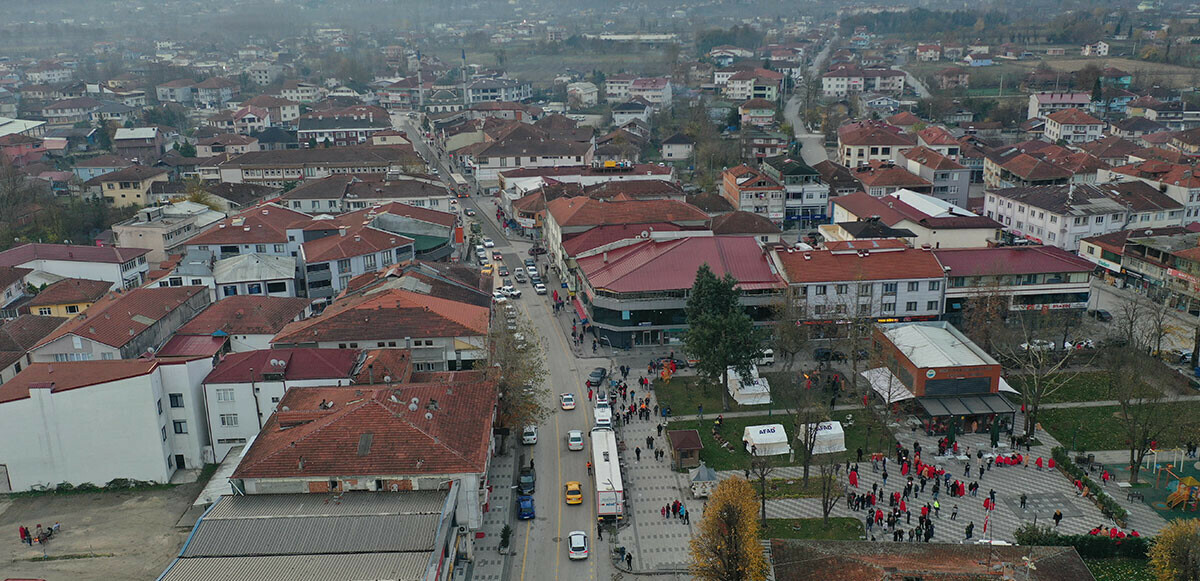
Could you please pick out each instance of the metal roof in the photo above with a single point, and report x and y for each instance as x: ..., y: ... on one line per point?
x: 350, y: 504
x: 283, y: 535
x: 935, y: 344
x: 375, y: 566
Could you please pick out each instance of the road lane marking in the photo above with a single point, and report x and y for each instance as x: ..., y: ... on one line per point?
x: 558, y: 465
x: 525, y: 553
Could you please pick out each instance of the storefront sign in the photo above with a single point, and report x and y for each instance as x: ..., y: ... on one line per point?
x: 1048, y: 306
x: 1183, y: 275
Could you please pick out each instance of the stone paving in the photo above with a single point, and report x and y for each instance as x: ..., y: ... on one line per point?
x: 489, y: 564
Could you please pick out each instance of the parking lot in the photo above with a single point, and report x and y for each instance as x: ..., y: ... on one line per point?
x: 104, y: 536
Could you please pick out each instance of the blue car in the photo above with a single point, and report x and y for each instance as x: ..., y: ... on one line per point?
x: 525, y: 509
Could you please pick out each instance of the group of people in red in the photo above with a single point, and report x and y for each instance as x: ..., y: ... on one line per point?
x: 1113, y: 532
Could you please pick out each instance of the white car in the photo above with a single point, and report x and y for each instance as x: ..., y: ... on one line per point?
x: 577, y: 545
x: 1037, y: 345
x: 489, y: 243
x: 529, y: 435
x: 567, y: 401
x: 510, y: 292
x: 539, y: 288
x: 575, y: 440
x: 499, y: 297
x: 532, y: 270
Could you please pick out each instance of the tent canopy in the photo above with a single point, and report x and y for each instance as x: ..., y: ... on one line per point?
x: 766, y: 440
x: 830, y: 437
x: 887, y: 385
x: 966, y: 405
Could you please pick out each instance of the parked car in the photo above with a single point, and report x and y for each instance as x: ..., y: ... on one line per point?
x: 536, y: 251
x: 539, y: 288
x: 529, y: 435
x: 577, y: 545
x: 525, y: 509
x: 768, y: 358
x: 1037, y: 345
x: 1101, y: 315
x: 489, y: 243
x: 827, y: 354
x: 527, y: 479
x: 530, y: 262
x: 596, y: 377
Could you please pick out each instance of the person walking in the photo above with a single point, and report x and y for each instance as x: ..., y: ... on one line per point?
x: 660, y: 428
x: 937, y: 509
x: 1057, y: 517
x: 663, y: 511
x: 589, y: 394
x: 589, y: 467
x: 954, y: 513
x: 970, y: 529
x: 1023, y: 499
x: 629, y: 561
x: 638, y: 452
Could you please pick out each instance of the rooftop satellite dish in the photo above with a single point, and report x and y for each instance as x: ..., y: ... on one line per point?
x: 428, y: 416
x: 415, y: 400
x: 286, y: 408
x: 412, y: 407
x: 387, y: 379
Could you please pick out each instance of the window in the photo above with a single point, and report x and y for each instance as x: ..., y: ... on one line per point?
x: 229, y: 420
x: 819, y: 290
x: 344, y: 281
x: 935, y: 285
x: 889, y: 288
x: 225, y: 394
x: 254, y: 288
x: 387, y: 257
x: 369, y: 262
x: 43, y: 310
x: 818, y: 309
x: 1080, y: 220
x: 260, y: 248
x: 72, y: 357
x: 842, y: 289
x: 229, y: 290
x: 276, y: 287
x: 889, y: 307
x: 164, y: 433
x: 72, y: 309
x: 914, y: 287
x: 931, y: 306
x: 910, y: 306
x: 864, y: 289
x: 864, y: 309
x: 344, y: 265
x: 180, y: 426
x: 159, y: 405
x: 197, y: 282
x: 1099, y: 219
x: 176, y: 400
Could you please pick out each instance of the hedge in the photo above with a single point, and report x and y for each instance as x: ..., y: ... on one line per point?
x: 1088, y: 546
x: 1107, y: 505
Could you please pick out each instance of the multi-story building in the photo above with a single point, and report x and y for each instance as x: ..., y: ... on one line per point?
x: 123, y: 326
x: 846, y: 80
x: 934, y: 222
x: 1107, y: 251
x: 889, y: 282
x: 338, y: 194
x: 951, y: 180
x: 122, y: 268
x: 653, y: 90
x: 757, y: 112
x: 342, y: 253
x: 283, y: 112
x: 67, y: 297
x: 483, y: 90
x: 57, y: 422
x: 1061, y: 215
x: 1043, y: 104
x: 1167, y: 267
x: 753, y: 190
x: 299, y: 92
x: 862, y: 142
x: 753, y: 84
x: 1180, y: 182
x: 139, y: 143
x: 279, y: 167
x: 127, y: 187
x: 243, y: 391
x: 759, y: 144
x: 215, y: 92
x: 181, y: 91
x: 806, y: 196
x: 1073, y: 127
x: 616, y: 87
x: 163, y: 229
x: 1030, y: 278
x: 266, y: 229
x: 880, y: 178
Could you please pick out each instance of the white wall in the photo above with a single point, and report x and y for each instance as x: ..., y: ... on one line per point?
x: 248, y: 410
x: 89, y: 270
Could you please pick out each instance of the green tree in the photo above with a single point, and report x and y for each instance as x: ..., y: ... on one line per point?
x: 185, y: 149
x: 517, y: 365
x: 1175, y: 555
x: 720, y: 333
x: 726, y: 547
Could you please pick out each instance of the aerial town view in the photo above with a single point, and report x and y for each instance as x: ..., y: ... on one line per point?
x: 535, y: 290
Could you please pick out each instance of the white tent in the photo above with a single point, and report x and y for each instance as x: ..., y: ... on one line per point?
x: 767, y: 440
x: 830, y: 437
x: 887, y: 385
x: 748, y: 390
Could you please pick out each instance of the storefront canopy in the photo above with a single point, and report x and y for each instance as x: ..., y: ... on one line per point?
x: 887, y: 385
x: 966, y: 405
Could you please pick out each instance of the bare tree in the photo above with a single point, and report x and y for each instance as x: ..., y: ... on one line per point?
x: 1041, y: 364
x: 1139, y: 384
x: 983, y: 314
x: 761, y: 469
x: 832, y: 489
x: 1127, y: 321
x: 811, y: 409
x: 790, y: 333
x: 1158, y: 325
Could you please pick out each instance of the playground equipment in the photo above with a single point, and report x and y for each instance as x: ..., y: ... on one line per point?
x: 1185, y: 495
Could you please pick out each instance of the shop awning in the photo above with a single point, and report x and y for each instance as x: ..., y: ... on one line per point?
x: 966, y: 405
x: 579, y: 310
x: 887, y: 385
x: 1004, y: 386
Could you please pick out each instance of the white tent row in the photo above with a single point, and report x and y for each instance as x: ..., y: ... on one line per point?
x: 748, y: 390
x: 766, y: 440
x: 830, y: 437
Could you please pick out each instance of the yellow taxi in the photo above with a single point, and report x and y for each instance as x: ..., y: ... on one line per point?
x: 488, y: 270
x: 574, y: 494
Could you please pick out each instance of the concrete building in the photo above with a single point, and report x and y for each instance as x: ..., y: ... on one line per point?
x: 951, y: 180
x: 17, y: 336
x: 123, y: 268
x: 933, y: 221
x: 1073, y: 126
x: 56, y: 422
x: 1029, y: 278
x: 862, y: 142
x: 806, y: 196
x: 244, y: 389
x: 752, y: 190
x: 67, y: 297
x: 249, y: 321
x: 163, y: 229
x: 342, y: 253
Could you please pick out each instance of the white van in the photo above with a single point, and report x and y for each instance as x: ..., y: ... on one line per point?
x: 768, y: 358
x: 603, y: 416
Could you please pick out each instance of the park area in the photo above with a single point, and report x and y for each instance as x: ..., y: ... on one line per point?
x: 838, y: 529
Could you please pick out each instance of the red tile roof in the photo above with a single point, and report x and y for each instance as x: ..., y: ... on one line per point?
x: 903, y: 118
x: 118, y: 318
x: 935, y: 135
x: 72, y: 252
x: 1115, y: 241
x: 18, y: 335
x: 246, y: 315
x: 373, y: 432
x: 438, y: 217
x: 356, y: 241
x: 881, y: 174
x: 872, y: 133
x: 264, y: 224
x: 71, y: 290
x: 829, y: 266
x: 1010, y: 260
x: 390, y: 314
x: 63, y: 376
x: 654, y: 265
x: 12, y: 274
x: 1187, y: 176
x: 580, y: 211
x: 931, y: 158
x: 602, y: 235
x: 1031, y: 168
x: 892, y: 211
x: 192, y: 346
x: 1073, y: 117
x: 388, y: 366
x: 298, y: 364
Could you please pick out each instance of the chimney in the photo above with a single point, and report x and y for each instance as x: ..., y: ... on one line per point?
x: 342, y: 230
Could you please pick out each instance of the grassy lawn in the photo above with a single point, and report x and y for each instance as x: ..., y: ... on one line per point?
x: 1088, y: 386
x: 686, y: 392
x: 838, y: 529
x: 1120, y: 569
x: 790, y: 487
x: 866, y: 433
x: 1099, y: 428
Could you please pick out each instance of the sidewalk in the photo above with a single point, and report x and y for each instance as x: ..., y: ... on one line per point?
x: 488, y: 563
